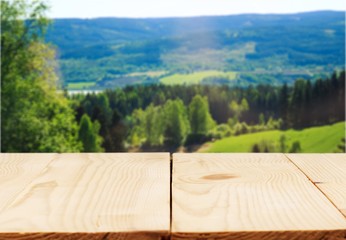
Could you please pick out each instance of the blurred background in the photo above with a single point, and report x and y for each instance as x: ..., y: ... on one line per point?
x: 178, y: 76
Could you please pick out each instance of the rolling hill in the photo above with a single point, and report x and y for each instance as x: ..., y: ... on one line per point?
x: 260, y: 48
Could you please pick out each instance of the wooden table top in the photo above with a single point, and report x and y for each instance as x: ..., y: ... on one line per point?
x: 149, y: 196
x: 90, y: 196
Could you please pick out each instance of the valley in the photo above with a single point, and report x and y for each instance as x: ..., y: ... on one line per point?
x: 106, y: 53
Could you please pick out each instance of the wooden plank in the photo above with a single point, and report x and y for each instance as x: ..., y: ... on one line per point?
x: 248, y: 196
x: 85, y: 196
x: 24, y: 165
x: 328, y: 172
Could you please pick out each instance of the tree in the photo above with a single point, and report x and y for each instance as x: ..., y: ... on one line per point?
x: 244, y: 105
x: 284, y: 105
x: 308, y: 104
x: 342, y: 145
x: 200, y: 119
x: 146, y: 126
x: 235, y: 109
x: 34, y: 116
x: 176, y: 123
x: 255, y: 148
x: 295, y: 148
x: 261, y: 119
x: 283, y: 143
x: 89, y: 135
x: 153, y: 125
x: 135, y: 122
x: 299, y: 102
x: 239, y: 109
x: 114, y: 140
x: 103, y: 114
x: 264, y: 146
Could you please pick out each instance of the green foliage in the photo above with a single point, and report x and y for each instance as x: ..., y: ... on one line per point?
x: 113, y: 129
x: 244, y: 105
x: 115, y: 134
x: 312, y: 140
x: 80, y: 85
x: 284, y: 105
x: 147, y: 127
x: 342, y: 146
x: 238, y: 109
x: 221, y: 131
x: 89, y: 135
x: 153, y: 125
x: 169, y: 124
x: 265, y: 146
x: 273, y: 50
x: 274, y: 124
x: 240, y: 128
x: 136, y: 136
x: 261, y: 119
x: 298, y: 100
x: 295, y: 148
x: 196, y: 77
x: 177, y: 124
x: 34, y: 117
x: 265, y: 104
x: 200, y: 119
x: 283, y: 145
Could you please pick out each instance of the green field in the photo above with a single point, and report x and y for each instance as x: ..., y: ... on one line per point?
x: 196, y: 77
x: 80, y: 85
x: 148, y: 73
x: 312, y: 140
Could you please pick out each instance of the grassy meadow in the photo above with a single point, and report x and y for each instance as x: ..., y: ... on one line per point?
x: 314, y: 139
x: 80, y: 85
x: 196, y: 77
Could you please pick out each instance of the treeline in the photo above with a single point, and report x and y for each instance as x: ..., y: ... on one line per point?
x: 172, y: 116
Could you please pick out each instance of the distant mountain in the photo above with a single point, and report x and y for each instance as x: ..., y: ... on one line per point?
x: 111, y: 52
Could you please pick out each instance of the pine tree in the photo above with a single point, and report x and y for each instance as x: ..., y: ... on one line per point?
x: 298, y: 102
x: 88, y: 135
x: 284, y: 105
x: 342, y: 145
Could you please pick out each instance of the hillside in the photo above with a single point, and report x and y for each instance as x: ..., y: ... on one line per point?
x: 312, y: 140
x: 105, y: 52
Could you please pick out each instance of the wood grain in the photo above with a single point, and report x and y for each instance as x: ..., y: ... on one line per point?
x: 101, y: 196
x: 248, y: 196
x: 86, y: 236
x: 328, y: 172
x: 264, y: 235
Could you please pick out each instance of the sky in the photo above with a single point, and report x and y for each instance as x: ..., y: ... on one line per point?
x: 183, y: 8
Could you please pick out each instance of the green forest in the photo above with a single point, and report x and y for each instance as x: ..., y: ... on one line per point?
x: 236, y: 50
x: 161, y: 117
x: 163, y: 113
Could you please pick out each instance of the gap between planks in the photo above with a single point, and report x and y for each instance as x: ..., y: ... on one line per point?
x: 325, y: 182
x: 205, y: 179
x: 315, y: 184
x: 171, y: 195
